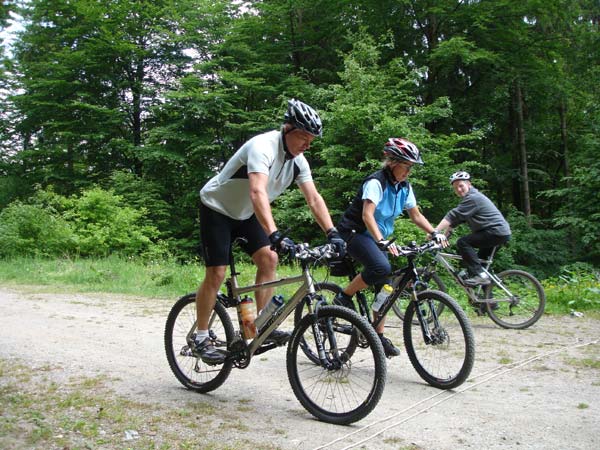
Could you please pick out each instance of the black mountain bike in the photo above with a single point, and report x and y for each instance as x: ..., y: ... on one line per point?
x: 438, y: 336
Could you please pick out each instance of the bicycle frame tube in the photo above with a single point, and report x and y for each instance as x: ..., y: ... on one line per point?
x: 401, y: 278
x: 305, y: 289
x: 443, y: 258
x: 498, y: 282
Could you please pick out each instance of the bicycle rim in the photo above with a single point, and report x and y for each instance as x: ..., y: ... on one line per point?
x: 189, y: 370
x: 523, y: 307
x: 447, y: 360
x: 349, y: 385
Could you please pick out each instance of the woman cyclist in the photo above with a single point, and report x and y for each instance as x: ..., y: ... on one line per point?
x: 369, y: 221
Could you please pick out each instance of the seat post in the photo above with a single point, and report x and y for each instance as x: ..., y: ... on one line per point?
x: 490, y: 258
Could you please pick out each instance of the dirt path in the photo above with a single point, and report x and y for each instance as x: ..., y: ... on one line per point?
x: 552, y: 402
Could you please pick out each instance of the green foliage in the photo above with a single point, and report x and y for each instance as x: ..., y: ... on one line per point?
x: 94, y: 224
x: 103, y: 225
x: 538, y: 250
x: 149, y: 99
x: 579, y: 214
x: 144, y: 195
x: 34, y: 230
x: 576, y: 288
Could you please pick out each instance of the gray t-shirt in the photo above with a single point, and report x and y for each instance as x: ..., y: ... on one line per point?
x: 479, y: 213
x: 228, y: 192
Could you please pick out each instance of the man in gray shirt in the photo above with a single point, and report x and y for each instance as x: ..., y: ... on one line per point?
x: 488, y: 227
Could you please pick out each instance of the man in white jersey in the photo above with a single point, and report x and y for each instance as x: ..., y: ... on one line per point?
x: 237, y: 203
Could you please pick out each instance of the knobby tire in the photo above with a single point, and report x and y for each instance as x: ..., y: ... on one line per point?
x: 447, y: 362
x: 352, y: 385
x: 189, y: 370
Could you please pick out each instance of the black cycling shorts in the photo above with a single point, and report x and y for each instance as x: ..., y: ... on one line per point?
x: 218, y: 231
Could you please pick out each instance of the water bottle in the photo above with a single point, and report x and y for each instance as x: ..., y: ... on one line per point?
x: 268, y: 311
x: 246, y: 313
x: 382, y: 296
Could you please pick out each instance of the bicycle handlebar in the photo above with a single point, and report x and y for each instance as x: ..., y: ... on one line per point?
x: 305, y: 252
x: 414, y: 249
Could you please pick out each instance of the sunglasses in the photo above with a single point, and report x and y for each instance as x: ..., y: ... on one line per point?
x: 408, y: 167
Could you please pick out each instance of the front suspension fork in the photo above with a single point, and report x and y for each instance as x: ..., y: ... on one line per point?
x: 422, y: 316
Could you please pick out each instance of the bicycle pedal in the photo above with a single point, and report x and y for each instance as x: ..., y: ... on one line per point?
x: 186, y: 351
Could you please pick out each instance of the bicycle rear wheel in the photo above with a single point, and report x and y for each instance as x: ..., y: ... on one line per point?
x: 525, y: 304
x: 433, y: 281
x: 446, y: 357
x: 180, y: 327
x: 346, y: 385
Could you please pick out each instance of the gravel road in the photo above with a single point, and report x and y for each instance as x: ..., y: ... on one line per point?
x: 531, y: 389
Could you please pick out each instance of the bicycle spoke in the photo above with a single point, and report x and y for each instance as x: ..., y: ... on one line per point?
x: 443, y: 350
x: 189, y: 370
x: 344, y: 387
x: 521, y: 306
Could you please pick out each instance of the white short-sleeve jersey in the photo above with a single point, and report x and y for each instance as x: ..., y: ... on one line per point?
x: 228, y: 192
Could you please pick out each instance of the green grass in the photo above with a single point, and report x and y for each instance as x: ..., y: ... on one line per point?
x: 585, y: 363
x: 170, y: 279
x: 122, y: 275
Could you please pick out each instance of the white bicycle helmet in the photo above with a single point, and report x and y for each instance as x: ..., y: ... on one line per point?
x: 302, y: 116
x: 460, y: 175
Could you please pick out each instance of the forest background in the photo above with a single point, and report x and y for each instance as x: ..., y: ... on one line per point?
x: 114, y: 113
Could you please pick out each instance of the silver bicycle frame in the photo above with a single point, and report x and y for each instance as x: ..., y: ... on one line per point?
x: 307, y: 288
x: 442, y: 258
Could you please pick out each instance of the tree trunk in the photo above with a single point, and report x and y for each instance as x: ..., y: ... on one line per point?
x: 522, y: 150
x: 293, y: 38
x: 563, y: 138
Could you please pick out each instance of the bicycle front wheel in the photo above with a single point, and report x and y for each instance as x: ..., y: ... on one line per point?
x: 324, y: 294
x: 347, y: 382
x: 520, y: 305
x: 441, y: 348
x: 181, y: 325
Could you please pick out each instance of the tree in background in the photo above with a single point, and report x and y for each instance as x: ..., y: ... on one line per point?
x: 151, y: 98
x: 375, y: 100
x: 90, y: 73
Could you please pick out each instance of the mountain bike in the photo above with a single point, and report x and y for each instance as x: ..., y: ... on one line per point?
x: 338, y: 385
x: 513, y: 299
x: 438, y: 337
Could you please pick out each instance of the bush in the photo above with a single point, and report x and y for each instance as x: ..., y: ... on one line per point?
x: 103, y: 225
x: 32, y: 230
x: 538, y: 250
x: 97, y: 223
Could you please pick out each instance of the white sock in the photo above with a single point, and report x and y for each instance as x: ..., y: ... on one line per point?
x: 201, y: 335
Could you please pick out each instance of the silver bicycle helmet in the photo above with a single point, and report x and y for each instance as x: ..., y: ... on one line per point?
x: 460, y: 175
x: 302, y: 116
x: 403, y: 150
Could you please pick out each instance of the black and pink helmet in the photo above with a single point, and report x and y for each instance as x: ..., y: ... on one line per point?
x: 402, y: 150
